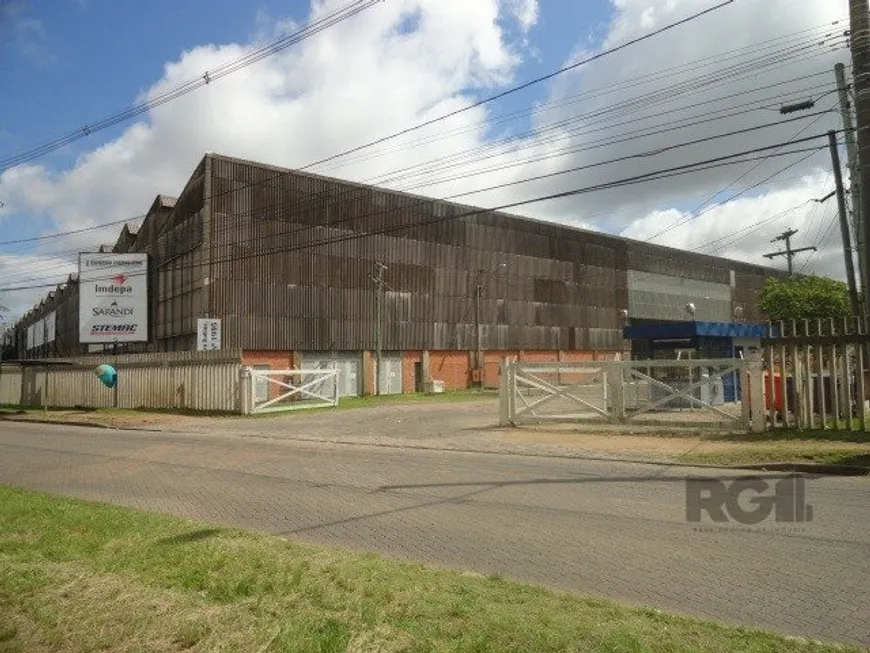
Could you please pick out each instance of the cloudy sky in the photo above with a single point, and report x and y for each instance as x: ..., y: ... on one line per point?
x: 676, y: 106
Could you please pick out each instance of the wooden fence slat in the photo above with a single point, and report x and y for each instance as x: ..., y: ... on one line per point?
x: 835, y: 385
x: 862, y: 390
x: 820, y: 366
x: 771, y: 385
x: 811, y: 413
x: 847, y: 388
x: 786, y: 404
x: 800, y: 417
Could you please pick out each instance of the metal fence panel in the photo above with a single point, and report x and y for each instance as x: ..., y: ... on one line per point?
x: 202, y: 381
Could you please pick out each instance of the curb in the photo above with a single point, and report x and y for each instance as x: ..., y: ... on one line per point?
x: 94, y: 425
x: 820, y: 469
x: 809, y: 468
x: 815, y: 469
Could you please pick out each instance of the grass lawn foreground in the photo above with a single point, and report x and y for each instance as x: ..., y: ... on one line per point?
x: 80, y: 576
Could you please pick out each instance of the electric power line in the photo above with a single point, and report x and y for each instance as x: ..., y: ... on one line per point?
x: 591, y: 145
x: 642, y: 178
x: 315, y: 27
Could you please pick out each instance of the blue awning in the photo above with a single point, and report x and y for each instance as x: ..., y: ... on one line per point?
x: 667, y: 330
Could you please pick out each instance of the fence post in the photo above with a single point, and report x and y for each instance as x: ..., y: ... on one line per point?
x: 614, y: 374
x: 771, y: 384
x: 835, y: 387
x: 756, y: 395
x: 847, y: 387
x: 811, y: 412
x: 862, y: 407
x: 246, y: 390
x: 820, y: 365
x: 504, y: 389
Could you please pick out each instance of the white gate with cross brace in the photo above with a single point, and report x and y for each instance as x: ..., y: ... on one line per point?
x: 289, y: 389
x: 680, y: 393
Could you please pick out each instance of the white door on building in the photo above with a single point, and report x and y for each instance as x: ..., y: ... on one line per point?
x: 390, y: 378
x: 348, y: 366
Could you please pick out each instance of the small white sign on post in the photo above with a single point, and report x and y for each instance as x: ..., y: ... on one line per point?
x: 208, y: 334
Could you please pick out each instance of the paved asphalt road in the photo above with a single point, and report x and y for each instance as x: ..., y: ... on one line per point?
x: 597, y: 527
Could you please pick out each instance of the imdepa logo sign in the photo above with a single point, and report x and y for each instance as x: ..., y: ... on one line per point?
x: 117, y: 286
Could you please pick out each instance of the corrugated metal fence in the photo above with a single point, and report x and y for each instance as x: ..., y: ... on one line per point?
x: 179, y: 380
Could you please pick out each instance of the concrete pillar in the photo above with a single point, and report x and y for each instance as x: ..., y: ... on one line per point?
x: 368, y: 373
x: 753, y: 402
x: 616, y: 389
x: 505, y: 391
x: 425, y: 366
x: 246, y: 391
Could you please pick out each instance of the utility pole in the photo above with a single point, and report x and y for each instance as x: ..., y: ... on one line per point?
x: 478, y: 295
x: 479, y: 363
x: 788, y: 252
x: 378, y: 327
x: 844, y: 223
x: 852, y: 164
x: 859, y: 29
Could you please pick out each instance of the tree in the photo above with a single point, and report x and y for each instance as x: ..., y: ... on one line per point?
x: 804, y: 298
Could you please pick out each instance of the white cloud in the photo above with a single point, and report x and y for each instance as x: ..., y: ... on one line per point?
x: 407, y: 61
x: 526, y: 13
x: 744, y: 228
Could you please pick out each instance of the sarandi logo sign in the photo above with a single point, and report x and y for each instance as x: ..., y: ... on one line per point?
x: 112, y: 310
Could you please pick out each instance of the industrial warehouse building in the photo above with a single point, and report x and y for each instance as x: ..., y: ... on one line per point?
x: 298, y: 267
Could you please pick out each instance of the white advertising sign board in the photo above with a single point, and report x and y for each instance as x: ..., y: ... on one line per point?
x: 113, y: 298
x: 208, y: 334
x: 51, y: 327
x: 39, y: 333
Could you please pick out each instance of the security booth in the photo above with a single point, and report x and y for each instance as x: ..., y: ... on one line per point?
x: 693, y: 340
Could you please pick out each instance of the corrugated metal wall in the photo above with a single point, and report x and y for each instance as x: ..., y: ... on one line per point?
x: 10, y: 384
x: 558, y: 289
x: 286, y: 259
x: 180, y: 380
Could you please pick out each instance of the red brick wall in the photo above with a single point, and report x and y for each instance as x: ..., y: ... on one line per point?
x: 492, y: 366
x: 457, y: 365
x: 578, y: 356
x: 276, y: 360
x: 452, y: 367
